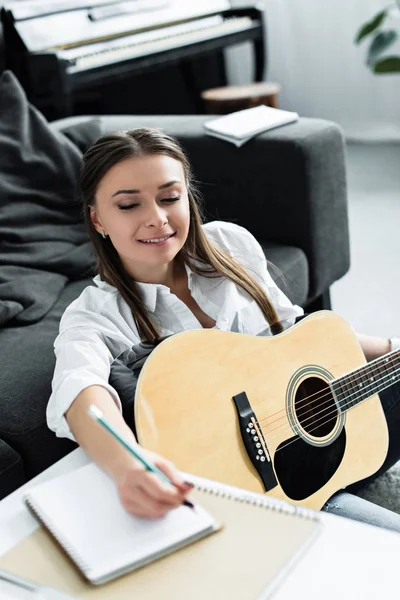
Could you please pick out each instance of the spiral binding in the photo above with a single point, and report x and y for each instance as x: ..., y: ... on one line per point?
x: 83, y: 566
x: 240, y: 495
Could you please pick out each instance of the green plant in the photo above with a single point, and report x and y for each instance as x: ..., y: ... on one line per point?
x: 382, y: 39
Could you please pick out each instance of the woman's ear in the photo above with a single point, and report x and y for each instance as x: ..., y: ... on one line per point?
x: 95, y: 219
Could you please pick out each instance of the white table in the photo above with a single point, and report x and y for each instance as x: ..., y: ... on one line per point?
x: 349, y: 560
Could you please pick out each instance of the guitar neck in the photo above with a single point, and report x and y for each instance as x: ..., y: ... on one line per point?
x: 362, y: 383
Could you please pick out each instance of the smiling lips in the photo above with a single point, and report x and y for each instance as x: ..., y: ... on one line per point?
x: 157, y: 240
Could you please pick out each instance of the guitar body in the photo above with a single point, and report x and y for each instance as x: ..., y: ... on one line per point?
x: 184, y: 409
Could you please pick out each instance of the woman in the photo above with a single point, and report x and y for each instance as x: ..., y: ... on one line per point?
x: 161, y: 272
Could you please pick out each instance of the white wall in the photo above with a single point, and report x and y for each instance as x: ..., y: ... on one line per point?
x: 322, y: 73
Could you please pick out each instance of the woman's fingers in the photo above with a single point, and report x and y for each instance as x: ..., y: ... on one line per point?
x: 173, y: 474
x: 145, y: 494
x: 161, y: 491
x: 141, y: 505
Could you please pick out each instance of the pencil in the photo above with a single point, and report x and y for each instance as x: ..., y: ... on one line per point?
x: 98, y: 416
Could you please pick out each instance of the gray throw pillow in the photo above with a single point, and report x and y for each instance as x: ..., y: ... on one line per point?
x: 42, y: 234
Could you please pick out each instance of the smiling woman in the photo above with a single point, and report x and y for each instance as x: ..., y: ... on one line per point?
x: 161, y: 271
x: 137, y: 189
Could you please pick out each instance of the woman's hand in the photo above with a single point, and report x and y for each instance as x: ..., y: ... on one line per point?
x: 144, y: 494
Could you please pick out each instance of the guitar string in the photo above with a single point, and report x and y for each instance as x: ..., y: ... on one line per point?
x: 334, y: 412
x: 329, y: 395
x: 374, y: 372
x: 325, y: 393
x: 316, y: 414
x: 297, y: 439
x: 310, y: 431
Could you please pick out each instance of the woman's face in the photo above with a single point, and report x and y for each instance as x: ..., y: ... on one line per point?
x: 142, y: 205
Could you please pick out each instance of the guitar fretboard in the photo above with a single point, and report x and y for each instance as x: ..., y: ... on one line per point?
x: 361, y: 384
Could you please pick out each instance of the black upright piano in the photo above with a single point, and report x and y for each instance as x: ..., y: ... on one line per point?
x: 68, y: 50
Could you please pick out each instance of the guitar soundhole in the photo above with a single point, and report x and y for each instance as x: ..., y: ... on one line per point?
x: 315, y: 407
x: 303, y: 466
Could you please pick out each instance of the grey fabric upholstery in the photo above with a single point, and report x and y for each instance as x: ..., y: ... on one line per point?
x: 287, y: 186
x: 43, y: 241
x: 28, y: 360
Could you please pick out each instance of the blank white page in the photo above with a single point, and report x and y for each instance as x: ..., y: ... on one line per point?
x: 82, y: 509
x: 250, y: 121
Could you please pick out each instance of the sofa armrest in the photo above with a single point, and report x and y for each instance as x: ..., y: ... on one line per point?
x: 287, y: 185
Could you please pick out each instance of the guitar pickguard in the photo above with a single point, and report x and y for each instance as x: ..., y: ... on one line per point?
x: 302, y: 469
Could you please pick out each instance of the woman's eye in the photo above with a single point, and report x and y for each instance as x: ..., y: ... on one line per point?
x: 171, y: 199
x: 127, y: 207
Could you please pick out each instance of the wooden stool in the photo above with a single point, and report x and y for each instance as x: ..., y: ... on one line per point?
x: 223, y: 100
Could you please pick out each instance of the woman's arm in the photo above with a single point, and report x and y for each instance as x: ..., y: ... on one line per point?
x: 99, y: 444
x: 141, y: 493
x: 373, y: 347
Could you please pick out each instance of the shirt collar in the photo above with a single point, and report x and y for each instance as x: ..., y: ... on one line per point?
x: 190, y: 276
x: 103, y: 285
x: 149, y: 291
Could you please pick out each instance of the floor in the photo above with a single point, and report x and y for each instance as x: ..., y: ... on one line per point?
x: 368, y: 297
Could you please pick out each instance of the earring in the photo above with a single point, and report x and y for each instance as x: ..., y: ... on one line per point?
x: 103, y: 234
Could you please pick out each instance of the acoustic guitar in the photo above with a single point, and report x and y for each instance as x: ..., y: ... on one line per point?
x: 296, y: 416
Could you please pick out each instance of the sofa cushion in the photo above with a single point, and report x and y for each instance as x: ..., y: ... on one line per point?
x: 27, y: 359
x: 42, y: 234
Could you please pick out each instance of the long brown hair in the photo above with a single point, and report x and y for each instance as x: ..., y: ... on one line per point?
x: 197, y: 251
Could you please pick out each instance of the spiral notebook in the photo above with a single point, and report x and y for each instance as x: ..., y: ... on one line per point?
x: 83, y: 512
x: 260, y: 541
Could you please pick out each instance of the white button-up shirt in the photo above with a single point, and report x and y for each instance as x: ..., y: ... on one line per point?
x: 98, y: 326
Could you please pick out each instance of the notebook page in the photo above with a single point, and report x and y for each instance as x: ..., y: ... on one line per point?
x: 83, y: 511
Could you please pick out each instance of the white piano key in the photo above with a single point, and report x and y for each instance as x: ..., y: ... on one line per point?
x: 167, y: 38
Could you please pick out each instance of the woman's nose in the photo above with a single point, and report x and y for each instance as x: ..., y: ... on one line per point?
x: 156, y: 216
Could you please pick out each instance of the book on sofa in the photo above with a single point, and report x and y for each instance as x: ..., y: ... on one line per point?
x: 239, y: 127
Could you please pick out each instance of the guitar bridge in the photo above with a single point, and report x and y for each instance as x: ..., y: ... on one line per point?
x: 254, y: 441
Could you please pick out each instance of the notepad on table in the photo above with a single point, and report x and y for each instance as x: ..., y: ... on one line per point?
x: 82, y: 510
x: 260, y: 541
x: 239, y: 127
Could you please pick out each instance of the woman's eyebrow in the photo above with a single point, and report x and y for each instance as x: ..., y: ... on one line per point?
x: 160, y: 187
x: 166, y: 185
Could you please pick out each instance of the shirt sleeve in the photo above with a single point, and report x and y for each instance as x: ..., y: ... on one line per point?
x: 87, y: 345
x: 82, y: 359
x: 243, y: 247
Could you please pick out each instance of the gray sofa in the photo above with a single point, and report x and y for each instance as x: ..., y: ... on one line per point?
x: 287, y: 186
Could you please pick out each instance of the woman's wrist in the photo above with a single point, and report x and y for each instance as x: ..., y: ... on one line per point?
x: 373, y: 347
x: 120, y: 460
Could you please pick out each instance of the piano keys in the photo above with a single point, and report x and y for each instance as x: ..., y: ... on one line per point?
x: 62, y: 49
